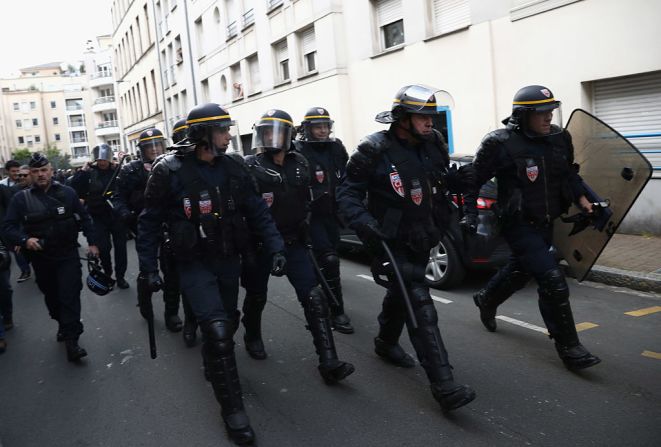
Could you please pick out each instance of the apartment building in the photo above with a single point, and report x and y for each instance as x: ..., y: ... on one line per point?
x: 136, y: 70
x: 98, y: 65
x: 46, y: 107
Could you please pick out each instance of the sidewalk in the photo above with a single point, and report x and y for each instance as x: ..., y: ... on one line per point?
x: 630, y: 261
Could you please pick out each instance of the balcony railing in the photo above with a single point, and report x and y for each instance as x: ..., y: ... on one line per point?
x: 79, y: 139
x: 248, y: 18
x: 74, y: 107
x: 77, y: 124
x: 100, y: 74
x: 272, y: 4
x: 104, y: 99
x: 106, y: 124
x: 231, y: 30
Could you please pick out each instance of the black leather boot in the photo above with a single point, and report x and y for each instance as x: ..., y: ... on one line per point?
x: 332, y: 369
x: 496, y: 292
x: 253, y: 306
x: 173, y: 322
x: 559, y: 319
x: 190, y: 331
x: 394, y: 354
x: 340, y: 321
x: 74, y: 352
x: 221, y: 371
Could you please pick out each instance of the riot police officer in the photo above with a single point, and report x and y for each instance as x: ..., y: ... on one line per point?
x: 210, y: 204
x: 128, y: 201
x: 404, y: 173
x: 533, y: 161
x: 283, y: 179
x: 179, y: 131
x: 327, y: 157
x: 42, y: 221
x: 95, y: 188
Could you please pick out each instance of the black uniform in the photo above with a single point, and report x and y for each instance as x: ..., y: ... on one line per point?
x: 327, y: 162
x: 286, y: 190
x: 406, y: 191
x: 209, y: 209
x: 51, y: 216
x: 537, y: 182
x: 128, y: 200
x: 90, y: 186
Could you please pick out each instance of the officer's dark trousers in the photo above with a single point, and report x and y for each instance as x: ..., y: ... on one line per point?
x: 426, y: 339
x: 171, y: 288
x: 300, y: 272
x: 59, y: 279
x: 105, y: 227
x: 6, y: 293
x: 325, y: 235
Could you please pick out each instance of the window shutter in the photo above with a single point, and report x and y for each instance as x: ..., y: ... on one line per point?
x: 307, y: 41
x: 450, y: 15
x: 281, y: 52
x: 388, y: 11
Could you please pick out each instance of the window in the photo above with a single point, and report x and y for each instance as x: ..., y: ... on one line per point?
x: 81, y: 151
x: 272, y: 4
x: 248, y: 17
x: 37, y: 139
x: 27, y: 124
x: 35, y: 122
x: 53, y: 105
x: 199, y: 36
x: 230, y: 14
x: 526, y: 8
x: 19, y: 124
x: 57, y: 137
x: 17, y: 107
x: 309, y: 50
x: 282, y: 60
x: 21, y: 140
x: 450, y: 15
x: 29, y: 141
x: 56, y: 121
x: 253, y: 70
x: 33, y: 105
x: 74, y: 104
x: 390, y: 22
x: 237, y: 86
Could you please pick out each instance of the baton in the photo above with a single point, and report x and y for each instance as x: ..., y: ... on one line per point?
x: 402, y: 286
x: 112, y: 179
x: 322, y: 279
x: 152, y: 337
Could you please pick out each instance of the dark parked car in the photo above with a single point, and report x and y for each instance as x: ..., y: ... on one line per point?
x: 457, y: 252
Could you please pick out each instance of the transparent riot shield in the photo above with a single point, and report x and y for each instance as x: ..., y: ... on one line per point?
x: 615, y: 173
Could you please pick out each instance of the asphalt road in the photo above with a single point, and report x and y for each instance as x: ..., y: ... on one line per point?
x: 119, y: 396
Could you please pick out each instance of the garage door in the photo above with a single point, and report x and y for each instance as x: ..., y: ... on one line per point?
x: 632, y: 106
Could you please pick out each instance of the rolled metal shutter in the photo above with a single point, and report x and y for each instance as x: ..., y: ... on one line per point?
x: 450, y: 15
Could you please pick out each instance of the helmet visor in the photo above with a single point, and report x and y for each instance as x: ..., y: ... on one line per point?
x: 103, y: 152
x: 271, y: 136
x: 424, y: 99
x: 151, y: 149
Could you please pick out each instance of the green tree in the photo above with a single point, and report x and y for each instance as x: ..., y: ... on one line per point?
x: 57, y: 160
x: 21, y: 155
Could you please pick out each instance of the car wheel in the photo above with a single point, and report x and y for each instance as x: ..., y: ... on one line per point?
x: 444, y: 269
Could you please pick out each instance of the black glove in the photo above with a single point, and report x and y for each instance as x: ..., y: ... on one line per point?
x: 467, y: 176
x: 278, y: 267
x: 151, y: 281
x: 370, y: 233
x: 469, y: 223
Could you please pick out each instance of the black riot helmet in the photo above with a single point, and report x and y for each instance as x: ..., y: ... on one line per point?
x: 317, y: 126
x: 102, y: 152
x: 416, y: 99
x: 152, y: 144
x: 536, y: 99
x: 179, y: 131
x: 97, y: 281
x: 273, y: 132
x: 209, y: 125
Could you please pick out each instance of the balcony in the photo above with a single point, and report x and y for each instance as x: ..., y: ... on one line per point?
x: 104, y: 103
x: 76, y: 141
x: 163, y: 28
x: 248, y: 18
x: 231, y: 30
x: 73, y: 109
x: 105, y: 128
x: 101, y: 78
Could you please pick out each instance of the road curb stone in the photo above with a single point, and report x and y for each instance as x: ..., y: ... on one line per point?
x: 645, y: 282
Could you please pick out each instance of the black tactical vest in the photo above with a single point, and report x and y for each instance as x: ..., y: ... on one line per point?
x: 542, y: 173
x: 285, y: 189
x: 51, y: 218
x: 136, y: 199
x: 327, y: 162
x: 210, y: 223
x: 95, y: 202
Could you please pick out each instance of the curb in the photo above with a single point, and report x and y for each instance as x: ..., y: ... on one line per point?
x: 645, y: 282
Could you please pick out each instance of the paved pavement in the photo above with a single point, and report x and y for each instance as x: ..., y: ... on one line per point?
x: 630, y: 261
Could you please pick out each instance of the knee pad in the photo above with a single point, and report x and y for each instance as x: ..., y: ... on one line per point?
x: 423, y: 306
x: 553, y: 286
x: 218, y: 337
x: 329, y: 262
x: 316, y: 303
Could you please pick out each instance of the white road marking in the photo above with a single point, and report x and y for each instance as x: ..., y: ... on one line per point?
x: 435, y: 298
x: 522, y: 324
